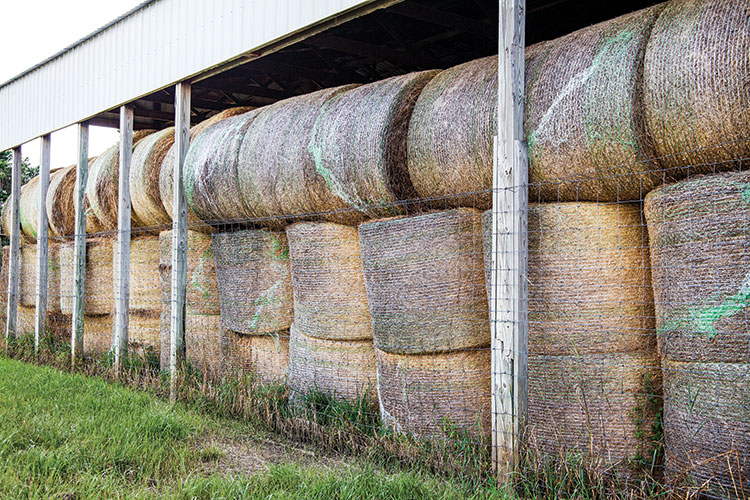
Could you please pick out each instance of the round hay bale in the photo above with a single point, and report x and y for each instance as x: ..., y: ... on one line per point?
x: 589, y: 282
x: 255, y: 289
x: 584, y: 127
x: 144, y: 333
x: 103, y: 182
x: 695, y: 89
x: 707, y: 426
x: 145, y: 282
x: 601, y: 405
x: 27, y: 278
x: 698, y: 234
x: 435, y: 395
x: 61, y: 204
x: 5, y: 221
x: 265, y: 356
x: 451, y: 134
x: 212, y: 190
x: 330, y: 301
x: 99, y: 295
x: 425, y: 282
x: 342, y: 369
x: 276, y: 171
x: 145, y: 168
x: 167, y: 169
x: 28, y: 209
x: 205, y: 341
x: 98, y: 332
x: 359, y: 144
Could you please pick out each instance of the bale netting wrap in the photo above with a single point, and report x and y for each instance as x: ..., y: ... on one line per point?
x: 698, y: 231
x: 145, y: 283
x: 707, y: 425
x: 436, y: 395
x: 167, y: 169
x: 589, y: 280
x: 451, y: 132
x: 341, y: 369
x: 212, y: 189
x: 255, y: 289
x: 695, y: 87
x: 144, y: 334
x: 601, y: 405
x: 145, y: 168
x: 276, y: 171
x: 584, y: 124
x: 98, y: 298
x: 98, y: 332
x: 265, y: 356
x: 27, y: 278
x: 205, y: 341
x: 103, y: 182
x: 330, y: 301
x: 424, y: 277
x: 359, y: 145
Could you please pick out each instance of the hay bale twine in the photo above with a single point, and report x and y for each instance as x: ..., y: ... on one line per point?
x: 99, y: 294
x: 103, y: 182
x: 695, y: 89
x: 212, y: 190
x: 98, y: 332
x: 167, y: 169
x: 27, y: 278
x: 425, y: 282
x: 434, y: 395
x: 145, y: 282
x: 276, y: 171
x: 255, y: 289
x: 451, y: 133
x: 359, y: 145
x: 342, y: 369
x: 265, y: 356
x: 330, y: 301
x: 145, y: 168
x: 205, y: 342
x: 584, y: 126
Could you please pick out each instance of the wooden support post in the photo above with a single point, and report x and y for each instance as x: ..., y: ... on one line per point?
x: 42, y: 248
x: 79, y: 251
x: 509, y: 301
x: 122, y: 266
x: 179, y: 234
x: 15, y: 241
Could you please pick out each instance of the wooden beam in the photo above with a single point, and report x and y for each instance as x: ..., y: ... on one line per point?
x: 15, y: 241
x: 122, y: 267
x: 79, y: 249
x: 293, y: 72
x: 247, y: 90
x: 446, y: 19
x: 509, y: 300
x: 179, y: 235
x: 42, y: 244
x: 357, y: 48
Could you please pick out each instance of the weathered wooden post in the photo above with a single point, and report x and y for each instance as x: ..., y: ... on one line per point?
x: 15, y: 241
x: 79, y: 248
x: 42, y: 245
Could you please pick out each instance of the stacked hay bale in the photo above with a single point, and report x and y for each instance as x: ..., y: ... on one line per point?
x: 594, y: 379
x: 426, y: 294
x: 252, y: 271
x: 145, y: 168
x: 698, y: 232
x: 27, y: 276
x: 61, y: 204
x: 331, y: 347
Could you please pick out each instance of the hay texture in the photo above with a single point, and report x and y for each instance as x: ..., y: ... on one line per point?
x: 451, y: 133
x: 330, y: 301
x: 695, y: 87
x: 342, y: 369
x: 61, y: 204
x: 167, y: 169
x: 359, y: 145
x: 27, y: 278
x: 707, y: 426
x: 435, y: 395
x: 276, y: 171
x: 145, y: 283
x: 28, y: 209
x: 5, y: 221
x: 210, y: 172
x: 98, y: 332
x: 698, y: 233
x: 99, y: 288
x: 255, y: 289
x: 424, y: 277
x: 145, y: 168
x: 205, y: 341
x: 264, y: 356
x: 144, y: 333
x: 103, y: 183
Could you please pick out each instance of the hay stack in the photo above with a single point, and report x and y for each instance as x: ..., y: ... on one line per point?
x: 28, y: 209
x: 252, y: 270
x: 343, y: 369
x: 144, y: 333
x: 212, y: 190
x: 145, y: 168
x: 98, y: 332
x: 695, y: 87
x: 145, y: 285
x: 61, y: 204
x: 359, y: 144
x: 431, y: 395
x: 425, y: 282
x: 205, y: 343
x: 330, y: 301
x: 27, y: 278
x: 103, y: 182
x: 5, y: 221
x: 276, y: 171
x: 265, y: 356
x: 167, y: 169
x: 99, y: 294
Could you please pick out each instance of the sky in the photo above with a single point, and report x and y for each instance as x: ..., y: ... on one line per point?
x: 41, y: 28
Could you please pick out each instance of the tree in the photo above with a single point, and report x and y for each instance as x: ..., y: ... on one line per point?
x: 6, y: 163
